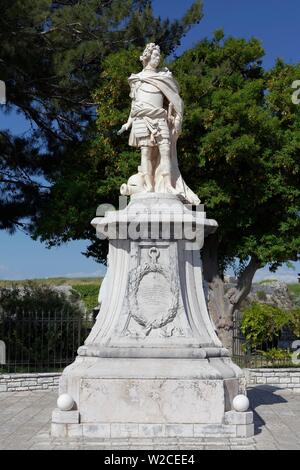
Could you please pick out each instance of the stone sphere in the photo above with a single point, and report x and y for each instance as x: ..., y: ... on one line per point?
x: 240, y: 403
x: 65, y: 402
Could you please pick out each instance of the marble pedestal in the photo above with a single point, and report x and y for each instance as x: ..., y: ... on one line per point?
x: 153, y: 365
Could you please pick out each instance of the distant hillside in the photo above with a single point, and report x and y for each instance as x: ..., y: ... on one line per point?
x: 88, y: 288
x: 54, y: 281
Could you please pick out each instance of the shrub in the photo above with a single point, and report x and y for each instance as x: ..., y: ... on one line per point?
x: 294, y: 291
x: 262, y: 324
x: 89, y: 295
x: 40, y: 325
x: 261, y: 295
x: 295, y: 322
x: 277, y: 355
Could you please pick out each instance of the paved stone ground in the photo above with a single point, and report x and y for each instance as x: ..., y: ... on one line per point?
x: 25, y: 420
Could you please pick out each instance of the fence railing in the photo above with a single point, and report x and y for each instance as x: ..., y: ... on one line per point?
x: 42, y: 340
x: 48, y: 341
x: 264, y: 355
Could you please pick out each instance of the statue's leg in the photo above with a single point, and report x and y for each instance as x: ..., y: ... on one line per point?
x: 146, y: 166
x: 165, y: 166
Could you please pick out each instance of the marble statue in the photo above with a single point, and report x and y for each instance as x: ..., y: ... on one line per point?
x: 155, y: 120
x: 153, y: 367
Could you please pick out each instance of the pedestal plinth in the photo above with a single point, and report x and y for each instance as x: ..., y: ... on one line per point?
x: 153, y: 365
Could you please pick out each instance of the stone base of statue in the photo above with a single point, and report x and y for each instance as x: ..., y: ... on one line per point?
x: 153, y: 366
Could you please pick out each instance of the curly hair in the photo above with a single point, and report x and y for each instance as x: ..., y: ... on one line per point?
x: 145, y: 57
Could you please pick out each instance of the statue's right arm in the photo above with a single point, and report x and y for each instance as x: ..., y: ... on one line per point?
x: 126, y: 126
x: 129, y: 122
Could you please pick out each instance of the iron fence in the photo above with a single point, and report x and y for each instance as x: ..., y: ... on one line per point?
x: 40, y: 341
x: 262, y: 356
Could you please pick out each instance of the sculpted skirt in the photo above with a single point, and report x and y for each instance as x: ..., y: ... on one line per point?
x: 156, y: 134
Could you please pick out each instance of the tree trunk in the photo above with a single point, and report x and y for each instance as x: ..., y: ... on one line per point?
x: 222, y: 305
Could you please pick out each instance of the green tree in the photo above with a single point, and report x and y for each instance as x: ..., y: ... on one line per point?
x: 262, y: 324
x: 246, y: 148
x: 239, y: 151
x: 51, y: 60
x: 94, y: 174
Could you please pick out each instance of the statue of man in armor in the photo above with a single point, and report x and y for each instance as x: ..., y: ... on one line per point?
x: 155, y: 120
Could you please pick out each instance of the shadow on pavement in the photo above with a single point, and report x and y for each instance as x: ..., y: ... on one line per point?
x: 262, y: 395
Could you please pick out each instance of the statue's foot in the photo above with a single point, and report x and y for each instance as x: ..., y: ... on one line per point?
x: 149, y: 188
x: 172, y: 190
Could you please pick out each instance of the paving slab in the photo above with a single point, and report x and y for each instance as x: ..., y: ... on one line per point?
x: 25, y: 422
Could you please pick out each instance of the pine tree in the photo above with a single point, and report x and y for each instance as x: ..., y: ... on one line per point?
x: 51, y: 60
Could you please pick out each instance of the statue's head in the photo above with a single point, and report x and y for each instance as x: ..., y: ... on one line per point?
x: 151, y: 56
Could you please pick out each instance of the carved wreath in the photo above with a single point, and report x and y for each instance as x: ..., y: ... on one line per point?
x: 135, y: 277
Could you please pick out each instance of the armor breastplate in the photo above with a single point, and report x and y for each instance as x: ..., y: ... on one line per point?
x: 148, y: 93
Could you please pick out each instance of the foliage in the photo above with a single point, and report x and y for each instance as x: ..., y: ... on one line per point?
x: 51, y: 59
x: 262, y: 323
x: 266, y: 281
x: 239, y: 150
x: 261, y: 295
x: 87, y: 288
x: 295, y: 322
x: 294, y: 290
x: 89, y: 295
x: 277, y: 355
x: 54, y: 281
x: 37, y: 297
x: 37, y: 322
x: 96, y: 170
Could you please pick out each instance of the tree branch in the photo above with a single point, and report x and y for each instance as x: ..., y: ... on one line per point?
x: 237, y: 294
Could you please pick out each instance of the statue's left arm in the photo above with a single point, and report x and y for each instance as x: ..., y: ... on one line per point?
x: 175, y: 120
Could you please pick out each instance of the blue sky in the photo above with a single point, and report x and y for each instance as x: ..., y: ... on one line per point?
x: 274, y: 22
